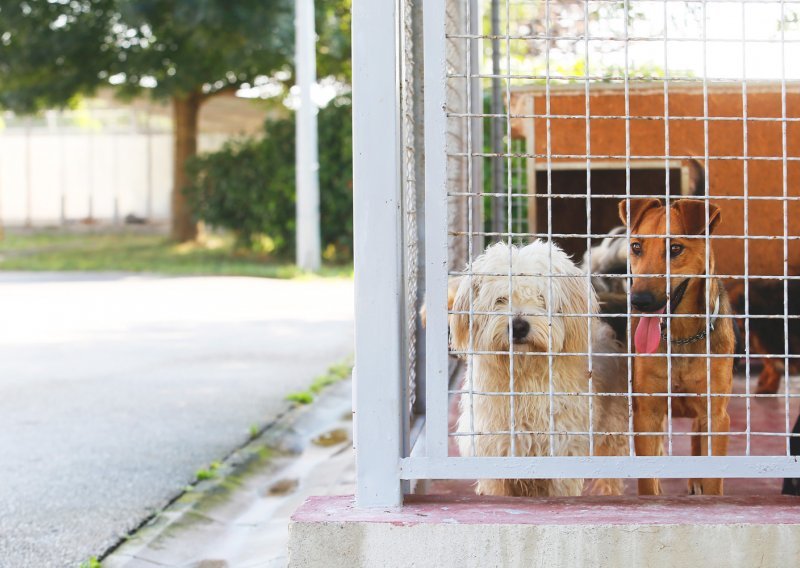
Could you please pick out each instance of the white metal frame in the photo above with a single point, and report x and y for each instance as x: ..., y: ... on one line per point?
x: 377, y: 224
x: 384, y: 453
x: 436, y: 229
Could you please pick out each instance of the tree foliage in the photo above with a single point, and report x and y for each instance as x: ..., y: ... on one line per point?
x: 333, y: 23
x: 174, y: 47
x: 51, y: 51
x: 249, y: 185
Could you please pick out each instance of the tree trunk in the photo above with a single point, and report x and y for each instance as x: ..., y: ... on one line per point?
x: 185, y: 113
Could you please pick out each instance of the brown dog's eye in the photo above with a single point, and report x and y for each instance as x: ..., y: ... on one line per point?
x: 675, y: 250
x: 636, y: 248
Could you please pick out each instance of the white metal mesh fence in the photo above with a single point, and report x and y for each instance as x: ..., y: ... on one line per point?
x: 607, y: 103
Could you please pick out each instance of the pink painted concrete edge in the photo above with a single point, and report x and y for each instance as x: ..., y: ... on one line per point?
x: 584, y: 511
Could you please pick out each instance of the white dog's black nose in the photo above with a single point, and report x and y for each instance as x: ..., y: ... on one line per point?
x: 519, y: 329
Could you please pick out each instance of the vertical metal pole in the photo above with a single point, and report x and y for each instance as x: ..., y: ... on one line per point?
x: 476, y: 108
x: 530, y: 163
x: 377, y: 224
x: 436, y: 215
x: 307, y: 162
x: 419, y: 174
x: 498, y: 149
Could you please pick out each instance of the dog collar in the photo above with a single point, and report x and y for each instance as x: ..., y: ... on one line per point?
x: 677, y: 296
x: 697, y: 336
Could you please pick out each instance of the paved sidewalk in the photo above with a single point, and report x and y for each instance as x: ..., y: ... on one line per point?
x: 115, y: 389
x: 241, y: 519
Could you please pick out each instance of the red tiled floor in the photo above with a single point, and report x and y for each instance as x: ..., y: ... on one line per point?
x: 766, y: 416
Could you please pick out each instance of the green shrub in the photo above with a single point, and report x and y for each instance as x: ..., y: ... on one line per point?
x: 248, y: 186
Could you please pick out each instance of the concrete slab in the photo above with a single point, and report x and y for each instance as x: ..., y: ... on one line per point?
x: 490, y: 531
x: 115, y: 389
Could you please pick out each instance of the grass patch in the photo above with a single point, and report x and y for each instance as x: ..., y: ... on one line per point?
x: 93, y: 562
x: 335, y: 373
x: 210, y: 473
x: 134, y: 251
x: 300, y: 397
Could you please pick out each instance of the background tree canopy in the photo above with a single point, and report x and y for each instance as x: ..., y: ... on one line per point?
x: 50, y: 52
x: 186, y: 52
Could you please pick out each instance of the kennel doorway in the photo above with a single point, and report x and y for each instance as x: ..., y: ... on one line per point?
x: 568, y: 215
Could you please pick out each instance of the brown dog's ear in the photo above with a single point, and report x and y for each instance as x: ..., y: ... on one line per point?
x: 697, y: 178
x: 693, y: 215
x: 637, y: 208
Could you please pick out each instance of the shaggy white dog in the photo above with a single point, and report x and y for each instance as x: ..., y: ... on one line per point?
x: 503, y: 323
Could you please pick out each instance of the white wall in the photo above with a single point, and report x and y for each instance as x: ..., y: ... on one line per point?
x: 52, y: 175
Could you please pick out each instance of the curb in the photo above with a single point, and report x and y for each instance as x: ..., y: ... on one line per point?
x: 266, y: 455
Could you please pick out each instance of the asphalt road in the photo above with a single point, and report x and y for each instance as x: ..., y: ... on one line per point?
x: 116, y: 389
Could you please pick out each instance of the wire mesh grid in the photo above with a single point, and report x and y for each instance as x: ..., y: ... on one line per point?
x: 586, y: 104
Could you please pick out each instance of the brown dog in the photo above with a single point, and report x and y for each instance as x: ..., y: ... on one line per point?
x: 687, y: 295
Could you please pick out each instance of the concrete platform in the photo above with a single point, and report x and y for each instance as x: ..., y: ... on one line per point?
x: 469, y: 531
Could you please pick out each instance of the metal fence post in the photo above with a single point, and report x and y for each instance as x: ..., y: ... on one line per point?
x: 377, y: 224
x: 436, y: 229
x: 308, y: 230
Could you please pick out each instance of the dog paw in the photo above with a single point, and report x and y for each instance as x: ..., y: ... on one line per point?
x: 769, y: 381
x: 768, y: 388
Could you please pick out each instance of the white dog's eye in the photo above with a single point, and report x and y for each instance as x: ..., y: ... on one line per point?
x: 501, y: 300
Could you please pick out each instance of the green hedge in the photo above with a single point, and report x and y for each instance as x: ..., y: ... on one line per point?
x: 248, y: 186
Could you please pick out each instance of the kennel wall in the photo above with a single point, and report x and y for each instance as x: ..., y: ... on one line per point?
x: 420, y: 200
x: 740, y: 128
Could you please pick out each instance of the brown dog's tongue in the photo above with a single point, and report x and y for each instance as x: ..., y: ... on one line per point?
x: 648, y: 334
